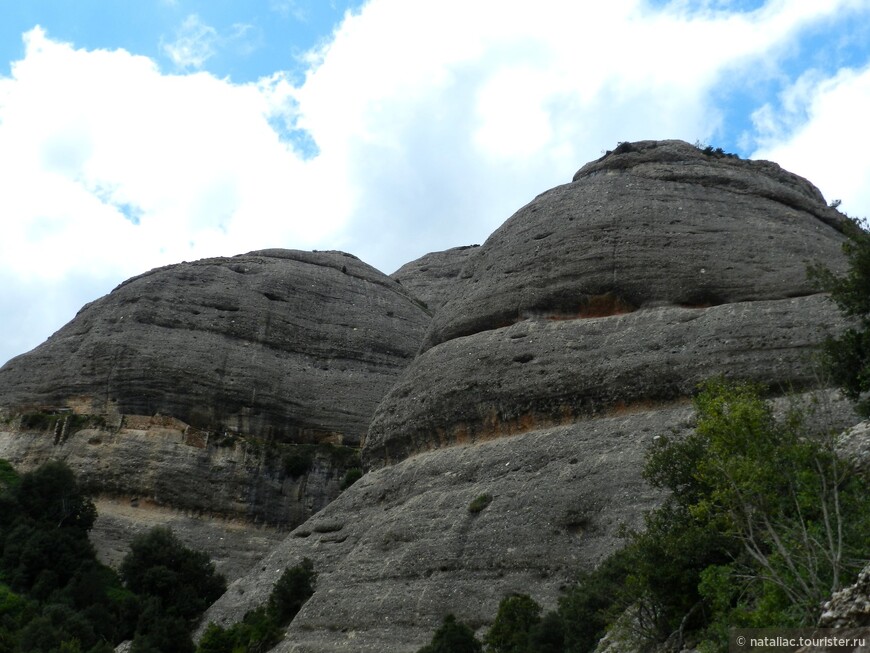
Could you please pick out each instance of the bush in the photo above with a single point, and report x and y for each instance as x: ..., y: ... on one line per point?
x: 292, y: 590
x: 352, y: 476
x: 510, y: 631
x: 453, y: 637
x: 480, y: 503
x: 183, y: 581
x: 298, y: 463
x: 847, y: 358
x: 261, y: 628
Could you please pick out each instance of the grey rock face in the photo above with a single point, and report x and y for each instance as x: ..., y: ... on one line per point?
x: 230, y: 497
x: 651, y: 223
x: 400, y: 548
x: 540, y: 372
x: 574, y: 337
x: 850, y: 607
x: 434, y: 277
x: 292, y: 345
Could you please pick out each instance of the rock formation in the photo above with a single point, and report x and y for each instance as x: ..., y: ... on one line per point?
x: 433, y: 277
x: 264, y: 344
x: 192, y: 388
x: 569, y: 340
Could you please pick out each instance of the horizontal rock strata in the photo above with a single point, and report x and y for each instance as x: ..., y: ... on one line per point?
x: 433, y: 278
x: 541, y: 371
x: 290, y: 345
x: 659, y: 223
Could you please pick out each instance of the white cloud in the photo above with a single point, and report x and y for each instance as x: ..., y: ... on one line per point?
x: 434, y: 121
x: 818, y: 130
x: 194, y: 44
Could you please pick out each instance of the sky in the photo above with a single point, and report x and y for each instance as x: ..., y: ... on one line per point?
x: 147, y: 132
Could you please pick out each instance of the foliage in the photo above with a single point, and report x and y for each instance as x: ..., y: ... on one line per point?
x: 297, y: 463
x: 57, y: 597
x: 293, y: 589
x: 299, y: 458
x: 261, y: 628
x: 762, y: 523
x: 510, y: 631
x: 718, y: 152
x: 183, y: 581
x: 453, y: 637
x: 8, y: 476
x: 847, y: 358
x: 479, y: 503
x: 351, y: 476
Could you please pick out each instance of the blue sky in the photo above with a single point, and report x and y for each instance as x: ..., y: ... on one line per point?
x: 142, y: 133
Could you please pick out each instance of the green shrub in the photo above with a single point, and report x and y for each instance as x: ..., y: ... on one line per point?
x: 351, y: 476
x: 517, y: 616
x: 479, y: 503
x: 293, y: 589
x: 297, y: 463
x: 262, y: 627
x: 847, y: 358
x: 183, y: 581
x: 8, y: 476
x: 453, y: 637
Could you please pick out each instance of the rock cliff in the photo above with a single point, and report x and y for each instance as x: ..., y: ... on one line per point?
x: 198, y: 388
x: 433, y: 277
x: 573, y: 336
x: 263, y: 343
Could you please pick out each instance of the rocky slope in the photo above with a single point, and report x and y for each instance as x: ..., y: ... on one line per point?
x: 262, y: 344
x: 196, y: 388
x: 573, y: 337
x: 433, y: 277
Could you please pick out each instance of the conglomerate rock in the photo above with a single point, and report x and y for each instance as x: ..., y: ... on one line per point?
x: 575, y: 334
x: 433, y: 277
x: 651, y: 223
x: 295, y: 346
x: 191, y: 389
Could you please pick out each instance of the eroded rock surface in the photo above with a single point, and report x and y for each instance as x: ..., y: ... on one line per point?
x: 540, y: 371
x: 400, y: 548
x: 434, y: 277
x: 576, y: 335
x: 296, y: 346
x: 656, y: 222
x: 232, y: 497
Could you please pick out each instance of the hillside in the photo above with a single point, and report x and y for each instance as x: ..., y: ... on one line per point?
x: 533, y: 370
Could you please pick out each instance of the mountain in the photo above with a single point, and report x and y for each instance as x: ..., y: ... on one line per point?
x: 501, y: 396
x: 507, y: 456
x: 228, y: 389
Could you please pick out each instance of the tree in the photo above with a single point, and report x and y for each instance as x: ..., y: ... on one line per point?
x: 783, y: 520
x: 293, y: 589
x: 847, y: 357
x: 510, y: 631
x: 453, y: 637
x: 51, y: 494
x: 183, y: 580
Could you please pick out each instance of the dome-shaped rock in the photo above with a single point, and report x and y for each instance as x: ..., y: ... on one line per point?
x: 299, y: 346
x: 659, y: 266
x: 433, y: 277
x: 652, y: 223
